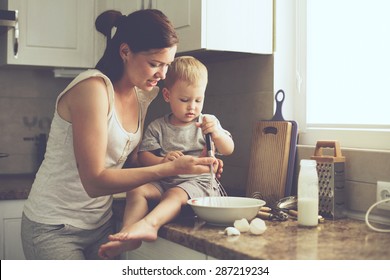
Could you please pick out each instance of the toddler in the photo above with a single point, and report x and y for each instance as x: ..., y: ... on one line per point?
x: 181, y: 132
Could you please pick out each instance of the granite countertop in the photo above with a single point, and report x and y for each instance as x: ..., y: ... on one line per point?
x: 343, y: 239
x: 336, y: 240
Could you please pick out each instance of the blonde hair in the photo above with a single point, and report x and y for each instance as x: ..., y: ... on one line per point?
x: 188, y: 69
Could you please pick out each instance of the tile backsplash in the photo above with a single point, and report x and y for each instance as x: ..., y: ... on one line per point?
x: 363, y: 168
x: 27, y: 99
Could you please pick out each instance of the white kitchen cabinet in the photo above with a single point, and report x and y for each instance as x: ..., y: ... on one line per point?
x: 52, y: 33
x: 221, y: 25
x: 163, y: 249
x: 215, y: 25
x: 10, y: 229
x: 124, y: 6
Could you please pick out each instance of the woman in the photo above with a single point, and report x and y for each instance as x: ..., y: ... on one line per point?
x: 97, y: 123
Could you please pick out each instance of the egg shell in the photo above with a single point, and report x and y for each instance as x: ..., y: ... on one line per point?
x: 242, y: 225
x: 231, y: 231
x: 257, y: 226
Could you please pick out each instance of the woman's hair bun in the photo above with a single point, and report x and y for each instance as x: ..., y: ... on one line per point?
x: 107, y: 20
x: 120, y: 20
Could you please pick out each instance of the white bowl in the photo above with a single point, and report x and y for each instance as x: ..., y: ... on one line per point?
x: 226, y: 209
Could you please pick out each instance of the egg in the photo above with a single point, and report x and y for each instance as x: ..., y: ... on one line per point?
x: 242, y: 225
x: 231, y: 231
x: 257, y: 226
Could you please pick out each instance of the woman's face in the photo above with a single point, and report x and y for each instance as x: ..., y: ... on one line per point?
x: 145, y: 69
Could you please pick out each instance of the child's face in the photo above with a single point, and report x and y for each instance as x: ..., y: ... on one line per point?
x: 186, y: 101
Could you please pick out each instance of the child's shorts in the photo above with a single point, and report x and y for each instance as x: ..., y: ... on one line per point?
x: 199, y: 186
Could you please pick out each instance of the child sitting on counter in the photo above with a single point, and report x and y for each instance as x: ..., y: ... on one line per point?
x: 181, y: 132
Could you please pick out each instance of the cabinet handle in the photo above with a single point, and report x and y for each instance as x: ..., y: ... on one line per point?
x: 16, y: 35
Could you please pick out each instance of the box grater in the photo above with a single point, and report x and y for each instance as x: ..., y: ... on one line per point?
x: 331, y: 180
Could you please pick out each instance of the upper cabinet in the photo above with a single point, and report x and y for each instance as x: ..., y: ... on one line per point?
x: 221, y: 25
x: 58, y: 33
x: 52, y: 33
x: 216, y: 25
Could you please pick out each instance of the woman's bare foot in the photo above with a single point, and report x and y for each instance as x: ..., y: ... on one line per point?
x: 114, y: 248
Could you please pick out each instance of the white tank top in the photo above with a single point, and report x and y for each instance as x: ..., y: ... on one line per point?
x: 57, y: 195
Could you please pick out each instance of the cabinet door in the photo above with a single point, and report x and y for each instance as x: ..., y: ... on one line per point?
x: 10, y: 229
x: 186, y: 16
x: 53, y: 33
x: 221, y: 25
x: 163, y: 249
x: 13, y: 249
x: 240, y: 26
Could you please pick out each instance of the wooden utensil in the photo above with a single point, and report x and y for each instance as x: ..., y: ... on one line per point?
x: 269, y: 160
x: 278, y: 116
x: 269, y: 165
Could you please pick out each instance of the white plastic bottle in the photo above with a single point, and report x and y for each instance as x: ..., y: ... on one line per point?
x: 308, y: 193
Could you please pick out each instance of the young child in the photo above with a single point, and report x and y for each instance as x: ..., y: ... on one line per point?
x: 182, y: 132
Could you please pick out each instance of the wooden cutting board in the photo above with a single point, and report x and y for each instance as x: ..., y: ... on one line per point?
x: 269, y: 159
x: 278, y: 116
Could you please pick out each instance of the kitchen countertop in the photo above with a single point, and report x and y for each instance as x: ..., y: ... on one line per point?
x: 336, y: 240
x: 343, y: 239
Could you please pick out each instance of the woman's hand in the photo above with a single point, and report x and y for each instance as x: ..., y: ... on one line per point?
x: 218, y: 167
x: 193, y: 165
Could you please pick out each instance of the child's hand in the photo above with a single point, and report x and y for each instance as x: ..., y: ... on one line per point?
x: 209, y: 125
x: 171, y: 156
x: 223, y: 141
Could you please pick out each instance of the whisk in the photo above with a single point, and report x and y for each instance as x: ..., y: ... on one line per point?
x: 218, y: 190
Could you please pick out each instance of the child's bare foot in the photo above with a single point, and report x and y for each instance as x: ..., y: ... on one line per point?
x: 129, y: 238
x: 141, y: 230
x: 114, y: 248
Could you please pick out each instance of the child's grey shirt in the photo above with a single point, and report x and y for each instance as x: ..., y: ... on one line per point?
x: 162, y: 137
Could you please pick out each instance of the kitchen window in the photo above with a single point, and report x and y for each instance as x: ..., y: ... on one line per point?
x: 343, y: 59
